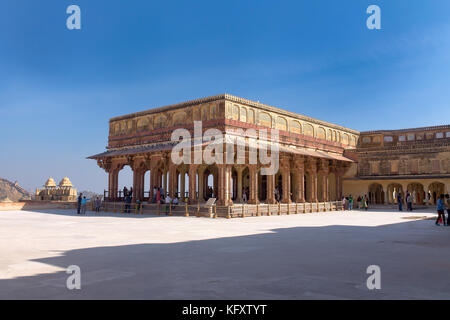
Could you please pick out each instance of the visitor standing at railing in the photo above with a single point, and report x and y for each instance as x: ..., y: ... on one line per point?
x: 97, y: 204
x: 80, y: 198
x: 350, y: 202
x: 83, y: 205
x: 127, y: 203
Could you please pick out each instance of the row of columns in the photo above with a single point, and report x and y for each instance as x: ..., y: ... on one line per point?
x: 311, y: 168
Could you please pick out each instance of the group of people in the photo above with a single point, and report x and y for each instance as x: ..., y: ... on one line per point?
x: 409, y: 201
x: 362, y: 202
x: 82, y: 202
x: 443, y: 203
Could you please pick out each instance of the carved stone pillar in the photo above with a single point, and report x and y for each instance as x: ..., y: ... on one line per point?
x: 113, y: 181
x: 173, y: 180
x: 324, y: 172
x: 201, y: 184
x: 285, y: 168
x: 299, y: 180
x: 224, y: 185
x: 311, y: 169
x: 270, y: 198
x: 253, y: 173
x: 192, y: 183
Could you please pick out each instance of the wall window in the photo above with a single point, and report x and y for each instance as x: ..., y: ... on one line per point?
x: 411, y: 137
x: 388, y: 139
x: 366, y: 139
x: 439, y: 135
x: 447, y: 134
x: 402, y: 138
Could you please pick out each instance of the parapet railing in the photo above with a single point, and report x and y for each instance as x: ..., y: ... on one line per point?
x: 234, y: 211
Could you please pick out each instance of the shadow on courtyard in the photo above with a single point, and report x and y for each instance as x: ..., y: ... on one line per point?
x: 288, y: 263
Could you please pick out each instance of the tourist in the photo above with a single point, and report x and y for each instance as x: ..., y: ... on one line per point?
x: 83, y: 205
x: 344, y: 203
x: 97, y: 204
x: 158, y: 196
x: 244, y: 197
x: 350, y: 202
x: 447, y: 197
x: 127, y: 203
x: 440, y: 210
x: 168, y: 201
x: 175, y: 201
x: 80, y: 198
x: 131, y: 191
x: 409, y: 202
x: 359, y: 202
x: 154, y: 194
x: 366, y: 199
x: 125, y: 192
x: 400, y: 202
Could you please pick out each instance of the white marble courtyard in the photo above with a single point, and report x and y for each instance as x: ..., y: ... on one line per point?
x: 307, y: 256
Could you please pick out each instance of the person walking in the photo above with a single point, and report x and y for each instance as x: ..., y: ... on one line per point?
x: 350, y: 203
x: 400, y: 202
x: 359, y: 202
x: 440, y: 210
x: 80, y: 198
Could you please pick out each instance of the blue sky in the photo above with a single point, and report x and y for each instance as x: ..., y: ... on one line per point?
x: 58, y: 88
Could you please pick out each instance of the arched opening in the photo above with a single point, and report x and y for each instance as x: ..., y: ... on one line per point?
x: 376, y: 194
x: 125, y: 181
x: 147, y: 190
x: 245, y: 184
x: 332, y: 187
x: 393, y: 190
x: 293, y: 187
x: 262, y: 182
x: 278, y: 187
x: 435, y: 190
x: 417, y: 191
x: 320, y: 191
x: 306, y: 188
x: 234, y: 184
x: 209, y: 183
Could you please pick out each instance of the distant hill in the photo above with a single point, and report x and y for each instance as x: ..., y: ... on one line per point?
x: 90, y: 194
x: 11, y: 191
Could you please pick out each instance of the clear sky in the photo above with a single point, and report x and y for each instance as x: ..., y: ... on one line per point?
x: 58, y: 88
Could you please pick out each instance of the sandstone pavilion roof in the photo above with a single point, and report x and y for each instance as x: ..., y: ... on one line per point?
x: 50, y: 183
x: 65, y: 182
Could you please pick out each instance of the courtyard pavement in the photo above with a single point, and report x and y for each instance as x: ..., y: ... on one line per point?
x: 306, y: 256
